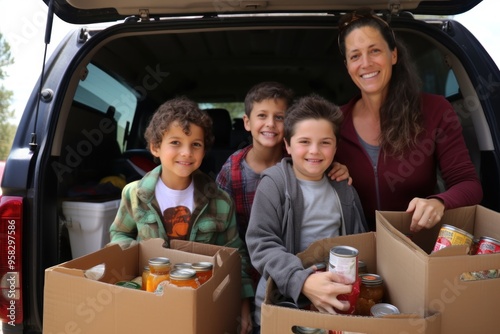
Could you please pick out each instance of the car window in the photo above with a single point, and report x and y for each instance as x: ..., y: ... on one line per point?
x: 236, y: 109
x: 452, y: 87
x: 100, y: 91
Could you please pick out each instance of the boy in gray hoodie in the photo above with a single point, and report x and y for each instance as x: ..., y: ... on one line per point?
x: 296, y: 204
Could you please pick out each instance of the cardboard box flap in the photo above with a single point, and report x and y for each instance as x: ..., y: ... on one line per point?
x: 489, y: 223
x: 319, y: 251
x: 276, y: 318
x: 108, y: 257
x: 194, y: 247
x: 398, y: 224
x: 185, y: 251
x: 281, y: 317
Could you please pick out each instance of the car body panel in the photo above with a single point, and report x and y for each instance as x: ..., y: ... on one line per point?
x: 83, y: 11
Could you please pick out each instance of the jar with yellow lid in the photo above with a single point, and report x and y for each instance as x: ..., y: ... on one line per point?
x: 159, y: 271
x: 371, y: 293
x: 203, y: 271
x: 184, y: 278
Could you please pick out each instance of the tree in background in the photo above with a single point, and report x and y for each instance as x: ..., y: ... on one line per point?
x: 7, y: 129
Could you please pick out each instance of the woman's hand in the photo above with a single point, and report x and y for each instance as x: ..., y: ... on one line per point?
x: 426, y: 213
x: 322, y: 289
x: 339, y: 172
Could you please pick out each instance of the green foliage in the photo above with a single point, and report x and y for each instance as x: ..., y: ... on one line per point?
x: 7, y: 130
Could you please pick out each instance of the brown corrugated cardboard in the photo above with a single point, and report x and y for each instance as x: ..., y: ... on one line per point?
x: 76, y: 304
x: 431, y: 282
x: 277, y: 319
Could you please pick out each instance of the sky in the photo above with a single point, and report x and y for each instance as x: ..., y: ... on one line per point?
x: 24, y: 30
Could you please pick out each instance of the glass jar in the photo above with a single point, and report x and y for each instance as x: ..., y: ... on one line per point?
x: 183, y: 265
x: 203, y: 271
x: 184, y: 278
x: 145, y: 274
x: 159, y: 271
x: 371, y: 293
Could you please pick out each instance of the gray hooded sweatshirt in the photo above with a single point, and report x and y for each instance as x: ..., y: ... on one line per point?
x: 273, y: 235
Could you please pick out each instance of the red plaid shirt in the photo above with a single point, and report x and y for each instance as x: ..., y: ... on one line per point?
x: 231, y: 179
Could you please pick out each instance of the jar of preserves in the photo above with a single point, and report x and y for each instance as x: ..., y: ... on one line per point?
x: 145, y: 274
x: 159, y: 271
x: 183, y: 265
x: 203, y: 271
x: 371, y: 293
x: 184, y: 278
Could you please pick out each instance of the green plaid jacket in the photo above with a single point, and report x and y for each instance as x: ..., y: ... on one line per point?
x: 213, y: 220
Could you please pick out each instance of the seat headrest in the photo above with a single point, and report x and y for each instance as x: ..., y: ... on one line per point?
x: 222, y: 126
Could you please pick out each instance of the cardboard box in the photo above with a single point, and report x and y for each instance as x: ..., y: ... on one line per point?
x: 88, y: 224
x: 277, y: 319
x: 431, y: 282
x: 76, y: 304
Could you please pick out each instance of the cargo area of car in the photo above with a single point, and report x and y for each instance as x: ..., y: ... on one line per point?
x: 216, y: 65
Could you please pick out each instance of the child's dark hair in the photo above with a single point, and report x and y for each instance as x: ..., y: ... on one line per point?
x: 183, y: 111
x: 267, y: 90
x: 312, y: 107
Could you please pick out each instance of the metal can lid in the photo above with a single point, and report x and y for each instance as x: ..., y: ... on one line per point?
x: 344, y: 251
x: 490, y: 239
x: 459, y: 230
x: 183, y: 274
x: 371, y: 279
x: 381, y: 309
x: 202, y: 266
x: 159, y: 260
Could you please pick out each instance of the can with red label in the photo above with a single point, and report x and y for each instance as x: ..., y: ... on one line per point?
x: 344, y: 262
x: 488, y: 245
x: 451, y: 235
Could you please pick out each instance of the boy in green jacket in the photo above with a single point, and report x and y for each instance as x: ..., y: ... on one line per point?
x: 176, y: 200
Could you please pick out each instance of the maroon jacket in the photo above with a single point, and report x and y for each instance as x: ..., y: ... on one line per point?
x: 395, y: 182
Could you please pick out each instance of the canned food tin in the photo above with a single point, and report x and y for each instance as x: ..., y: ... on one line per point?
x: 344, y: 262
x: 451, y: 235
x: 488, y: 245
x: 381, y: 309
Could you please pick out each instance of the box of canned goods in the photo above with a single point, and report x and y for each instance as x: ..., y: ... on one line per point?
x: 438, y: 270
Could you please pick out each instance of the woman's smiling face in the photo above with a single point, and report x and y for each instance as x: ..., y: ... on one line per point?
x: 369, y: 60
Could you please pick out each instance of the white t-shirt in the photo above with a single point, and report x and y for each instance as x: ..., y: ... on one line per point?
x: 176, y: 207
